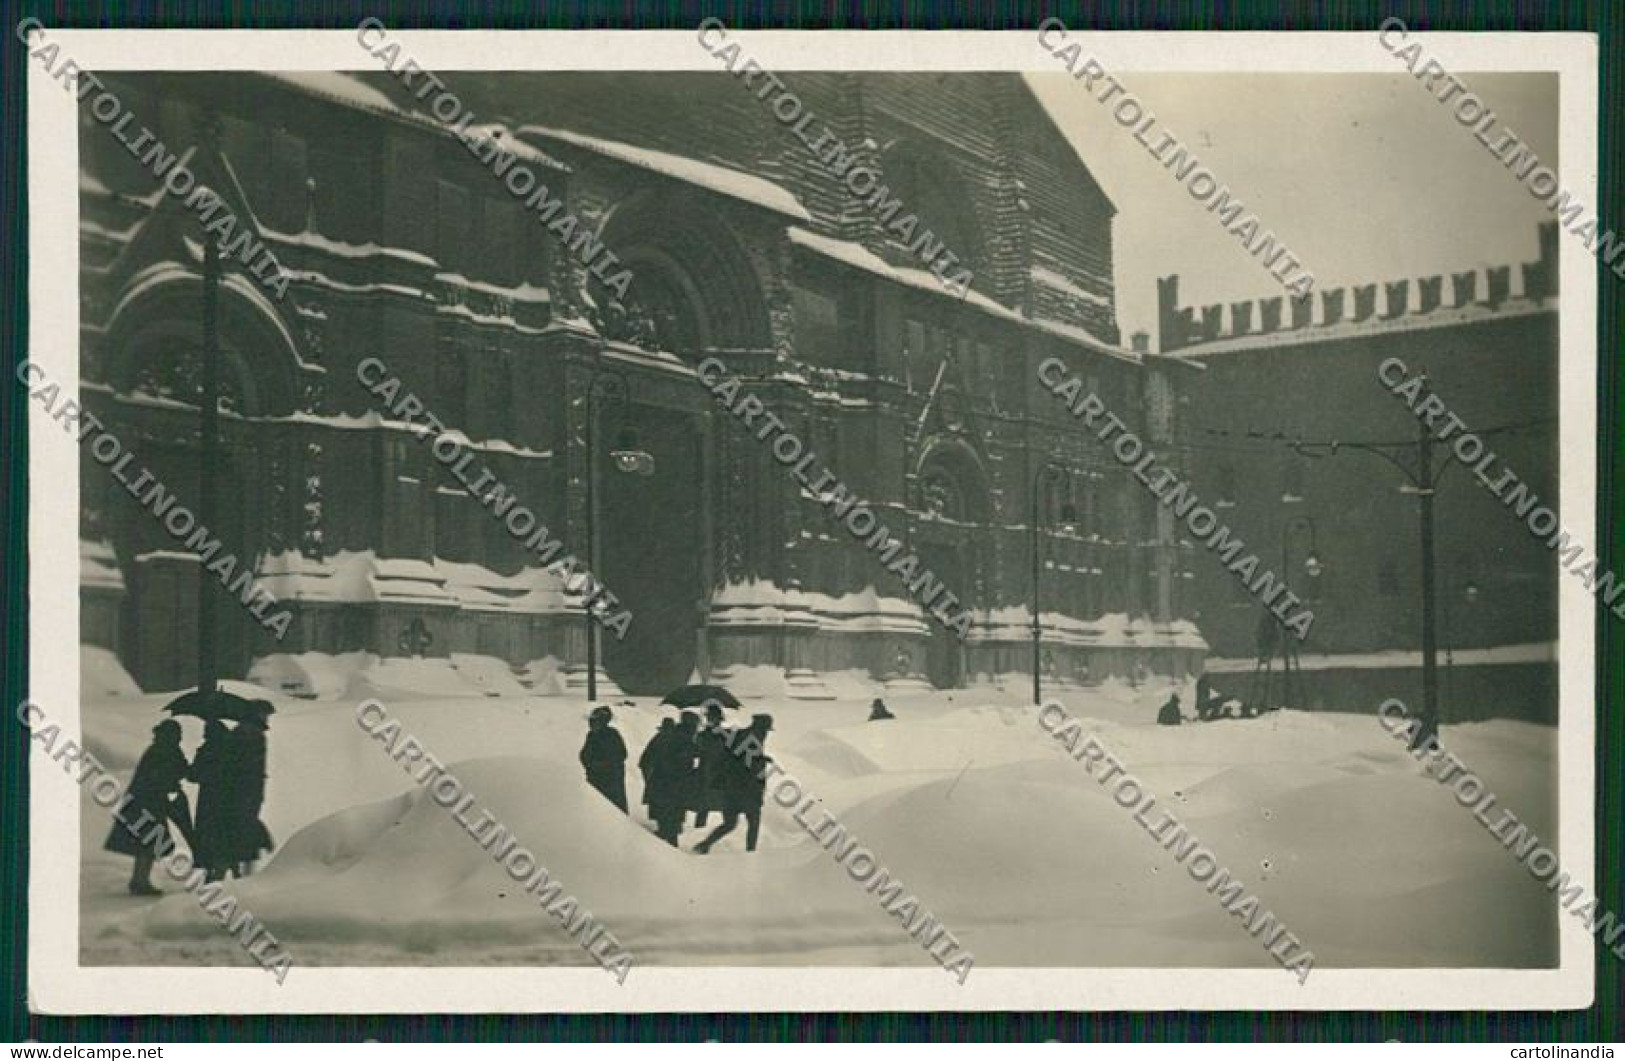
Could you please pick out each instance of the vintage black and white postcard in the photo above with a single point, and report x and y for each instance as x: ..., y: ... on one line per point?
x: 717, y: 520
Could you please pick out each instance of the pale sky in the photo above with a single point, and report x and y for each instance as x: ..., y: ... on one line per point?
x: 1364, y: 177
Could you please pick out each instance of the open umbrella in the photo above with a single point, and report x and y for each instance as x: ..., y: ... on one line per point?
x: 218, y: 704
x: 701, y: 696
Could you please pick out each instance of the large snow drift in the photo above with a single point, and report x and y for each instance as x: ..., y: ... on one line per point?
x: 974, y: 808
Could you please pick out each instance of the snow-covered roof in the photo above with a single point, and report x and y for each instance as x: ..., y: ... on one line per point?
x: 337, y: 86
x: 861, y: 257
x: 340, y: 87
x: 730, y: 182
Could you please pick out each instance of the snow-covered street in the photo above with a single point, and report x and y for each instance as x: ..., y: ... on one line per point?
x: 963, y: 797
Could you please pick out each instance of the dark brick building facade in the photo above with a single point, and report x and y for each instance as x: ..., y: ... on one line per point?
x: 1273, y: 374
x: 399, y: 244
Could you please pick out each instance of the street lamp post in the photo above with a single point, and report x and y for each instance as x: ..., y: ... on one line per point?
x: 208, y: 658
x: 1051, y: 471
x: 208, y: 662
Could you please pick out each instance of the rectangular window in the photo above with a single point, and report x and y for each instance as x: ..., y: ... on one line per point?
x: 286, y: 205
x: 498, y: 404
x: 818, y: 328
x: 452, y: 218
x: 451, y: 380
x: 346, y: 200
x: 498, y: 221
x: 1292, y: 480
x: 404, y: 515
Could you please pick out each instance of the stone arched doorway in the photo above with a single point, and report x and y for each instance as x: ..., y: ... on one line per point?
x: 152, y: 363
x: 694, y: 294
x: 953, y: 517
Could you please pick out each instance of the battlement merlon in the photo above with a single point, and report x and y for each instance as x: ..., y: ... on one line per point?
x: 1184, y: 327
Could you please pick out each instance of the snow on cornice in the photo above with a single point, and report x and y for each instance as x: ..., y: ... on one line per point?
x: 338, y: 86
x: 730, y: 182
x: 861, y: 257
x: 1056, y: 282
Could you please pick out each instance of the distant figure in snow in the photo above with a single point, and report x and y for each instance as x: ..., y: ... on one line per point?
x: 1206, y: 702
x: 603, y: 757
x: 249, y: 837
x: 155, y: 799
x: 711, y: 746
x: 743, y: 783
x: 1168, y: 715
x: 217, y: 772
x: 668, y: 767
x: 878, y: 711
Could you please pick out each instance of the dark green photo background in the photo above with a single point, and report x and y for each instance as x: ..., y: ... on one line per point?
x: 1600, y: 1023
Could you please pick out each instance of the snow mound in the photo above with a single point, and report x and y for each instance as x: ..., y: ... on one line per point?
x: 396, y: 678
x: 405, y: 870
x: 102, y: 676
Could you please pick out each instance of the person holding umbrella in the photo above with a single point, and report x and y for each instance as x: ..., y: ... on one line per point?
x: 711, y: 746
x: 249, y: 836
x: 743, y: 786
x: 154, y: 793
x: 215, y: 771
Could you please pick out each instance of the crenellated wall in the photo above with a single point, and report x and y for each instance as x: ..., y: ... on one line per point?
x: 1344, y: 309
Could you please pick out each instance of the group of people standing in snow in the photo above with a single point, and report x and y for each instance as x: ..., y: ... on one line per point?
x: 226, y: 835
x: 687, y: 768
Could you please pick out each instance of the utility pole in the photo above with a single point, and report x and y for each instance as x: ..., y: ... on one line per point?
x: 1430, y: 648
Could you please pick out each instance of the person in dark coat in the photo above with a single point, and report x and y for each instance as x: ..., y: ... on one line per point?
x: 711, y: 745
x: 603, y: 756
x: 646, y: 761
x: 668, y: 765
x: 878, y: 712
x: 249, y: 837
x: 1168, y: 715
x: 649, y: 765
x: 216, y: 772
x: 744, y: 784
x: 154, y: 790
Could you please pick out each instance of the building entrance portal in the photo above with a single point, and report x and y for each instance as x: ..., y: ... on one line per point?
x: 944, y: 655
x: 652, y: 533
